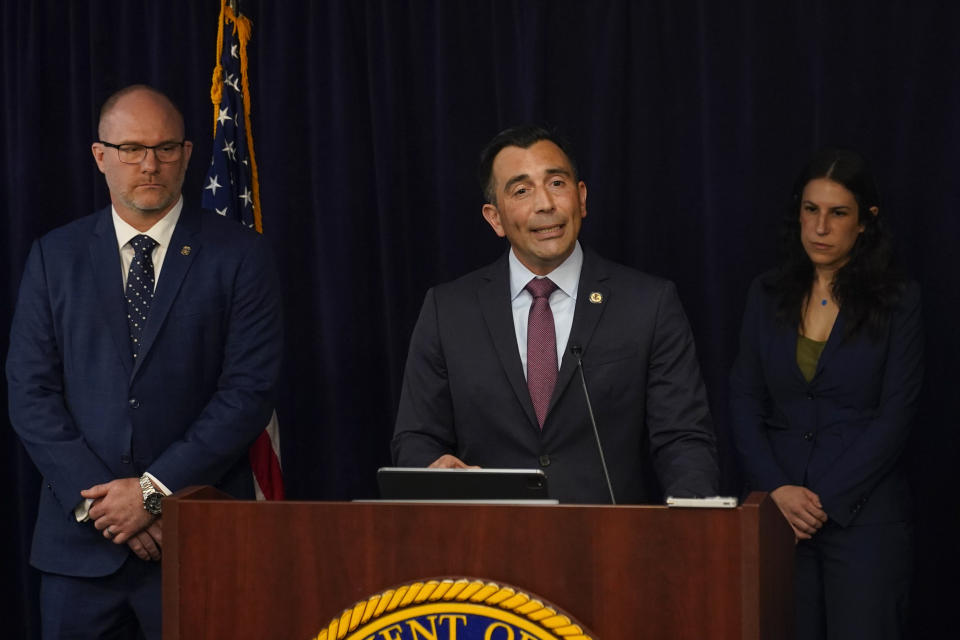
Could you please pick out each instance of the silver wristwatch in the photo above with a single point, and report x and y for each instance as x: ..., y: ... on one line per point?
x: 152, y: 499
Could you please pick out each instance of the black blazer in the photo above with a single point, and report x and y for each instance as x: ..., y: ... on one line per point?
x: 842, y: 434
x: 464, y: 390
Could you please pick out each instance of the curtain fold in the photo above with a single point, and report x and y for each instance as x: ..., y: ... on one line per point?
x: 690, y: 120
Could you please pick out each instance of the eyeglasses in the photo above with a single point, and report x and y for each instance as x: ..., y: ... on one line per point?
x: 135, y: 153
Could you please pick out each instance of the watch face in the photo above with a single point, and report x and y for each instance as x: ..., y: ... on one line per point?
x: 153, y: 502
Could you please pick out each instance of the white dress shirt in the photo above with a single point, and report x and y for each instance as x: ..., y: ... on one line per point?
x: 161, y: 232
x: 563, y: 300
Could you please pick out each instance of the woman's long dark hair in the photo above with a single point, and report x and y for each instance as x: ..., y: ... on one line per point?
x: 868, y: 286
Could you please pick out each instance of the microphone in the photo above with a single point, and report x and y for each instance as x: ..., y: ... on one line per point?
x: 577, y: 351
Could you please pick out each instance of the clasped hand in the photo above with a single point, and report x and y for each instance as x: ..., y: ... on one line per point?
x: 118, y: 512
x: 802, y: 509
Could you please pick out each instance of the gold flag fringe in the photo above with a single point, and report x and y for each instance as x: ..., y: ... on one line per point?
x: 243, y: 28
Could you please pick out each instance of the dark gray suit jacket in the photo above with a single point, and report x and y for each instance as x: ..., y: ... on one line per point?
x: 464, y: 390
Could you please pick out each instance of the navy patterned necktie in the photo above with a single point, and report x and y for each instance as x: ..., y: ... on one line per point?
x: 139, y: 291
x: 541, y: 347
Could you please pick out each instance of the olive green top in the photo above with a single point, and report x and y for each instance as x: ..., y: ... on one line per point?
x: 808, y: 355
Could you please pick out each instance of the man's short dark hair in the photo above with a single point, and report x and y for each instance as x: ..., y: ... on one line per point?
x: 523, y: 136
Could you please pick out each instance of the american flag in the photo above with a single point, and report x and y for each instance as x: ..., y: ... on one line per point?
x: 231, y: 189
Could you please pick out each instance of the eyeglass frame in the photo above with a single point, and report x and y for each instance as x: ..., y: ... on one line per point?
x: 146, y: 148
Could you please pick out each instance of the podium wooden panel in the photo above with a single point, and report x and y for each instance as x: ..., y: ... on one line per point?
x: 240, y: 569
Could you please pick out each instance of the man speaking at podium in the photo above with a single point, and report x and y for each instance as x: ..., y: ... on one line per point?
x: 492, y: 376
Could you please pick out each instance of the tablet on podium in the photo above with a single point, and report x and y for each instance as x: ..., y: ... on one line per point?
x: 459, y: 485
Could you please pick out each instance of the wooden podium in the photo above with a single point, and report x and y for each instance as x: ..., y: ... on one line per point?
x: 242, y: 569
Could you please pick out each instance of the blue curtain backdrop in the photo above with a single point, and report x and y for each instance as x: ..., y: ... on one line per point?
x: 690, y: 120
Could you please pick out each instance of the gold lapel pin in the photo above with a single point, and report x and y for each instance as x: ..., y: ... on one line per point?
x: 596, y: 297
x: 185, y: 251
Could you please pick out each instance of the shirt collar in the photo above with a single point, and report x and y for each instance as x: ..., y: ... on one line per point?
x: 566, y: 276
x: 161, y: 231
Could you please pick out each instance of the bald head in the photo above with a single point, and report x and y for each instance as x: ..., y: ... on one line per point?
x: 135, y: 96
x: 141, y: 119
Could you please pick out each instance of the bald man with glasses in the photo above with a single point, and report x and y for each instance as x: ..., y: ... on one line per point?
x: 144, y: 353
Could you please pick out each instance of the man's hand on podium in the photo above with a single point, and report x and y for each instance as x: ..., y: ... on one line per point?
x: 447, y: 461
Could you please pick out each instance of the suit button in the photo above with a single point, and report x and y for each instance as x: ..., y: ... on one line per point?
x: 808, y: 436
x: 544, y: 460
x: 810, y: 395
x: 134, y: 403
x: 124, y: 459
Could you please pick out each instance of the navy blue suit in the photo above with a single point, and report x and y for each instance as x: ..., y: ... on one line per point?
x: 464, y: 391
x: 841, y: 435
x: 186, y: 410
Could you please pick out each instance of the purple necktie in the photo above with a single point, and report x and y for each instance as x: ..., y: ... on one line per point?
x: 541, y: 347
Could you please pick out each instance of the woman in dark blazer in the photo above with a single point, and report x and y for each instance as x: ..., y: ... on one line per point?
x: 823, y: 393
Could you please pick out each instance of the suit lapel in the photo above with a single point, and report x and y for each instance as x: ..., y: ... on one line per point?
x: 593, y: 296
x: 833, y: 342
x: 105, y: 256
x: 184, y: 246
x: 786, y: 348
x: 494, y: 298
